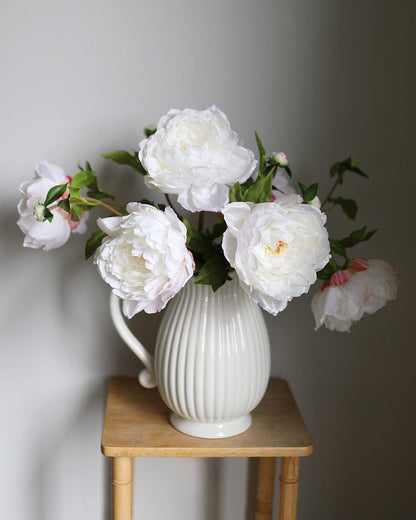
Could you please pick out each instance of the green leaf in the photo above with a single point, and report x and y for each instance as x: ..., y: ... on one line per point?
x: 219, y: 229
x: 93, y: 243
x: 127, y: 159
x: 369, y: 234
x: 188, y: 231
x: 260, y: 190
x: 83, y: 179
x: 359, y: 235
x: 55, y: 193
x: 236, y: 193
x: 336, y: 169
x: 348, y: 206
x: 354, y: 237
x: 262, y: 155
x: 94, y: 191
x: 359, y: 172
x: 256, y: 191
x: 200, y: 243
x: 326, y: 272
x: 349, y: 164
x: 65, y: 205
x: 337, y: 248
x: 308, y: 192
x: 352, y: 166
x: 150, y: 130
x: 98, y: 194
x: 75, y: 195
x: 270, y: 168
x: 76, y: 212
x: 47, y: 215
x: 212, y: 273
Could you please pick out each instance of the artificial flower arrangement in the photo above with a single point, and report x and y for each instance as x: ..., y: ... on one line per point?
x: 270, y: 234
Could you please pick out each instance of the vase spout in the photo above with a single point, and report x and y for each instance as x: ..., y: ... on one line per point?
x: 147, y: 375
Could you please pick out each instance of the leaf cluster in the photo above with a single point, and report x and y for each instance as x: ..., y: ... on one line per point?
x: 308, y: 192
x: 211, y: 266
x: 75, y: 203
x: 348, y: 206
x: 348, y: 164
x: 339, y: 249
x: 260, y: 189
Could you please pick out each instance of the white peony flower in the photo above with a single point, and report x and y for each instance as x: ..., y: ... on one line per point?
x: 276, y: 248
x: 144, y: 258
x: 48, y: 235
x: 363, y: 288
x: 195, y: 155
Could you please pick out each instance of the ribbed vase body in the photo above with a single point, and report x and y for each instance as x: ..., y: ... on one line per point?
x: 212, y: 359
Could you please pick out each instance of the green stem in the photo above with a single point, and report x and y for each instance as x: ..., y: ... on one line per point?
x: 95, y: 202
x: 334, y: 187
x: 104, y: 205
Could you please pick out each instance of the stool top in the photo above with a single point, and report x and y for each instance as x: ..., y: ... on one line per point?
x: 137, y: 425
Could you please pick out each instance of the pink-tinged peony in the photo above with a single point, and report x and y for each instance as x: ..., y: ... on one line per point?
x: 48, y: 235
x: 144, y: 258
x: 363, y: 288
x: 276, y: 248
x: 195, y: 155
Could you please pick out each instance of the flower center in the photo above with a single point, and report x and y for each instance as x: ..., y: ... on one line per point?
x: 278, y: 250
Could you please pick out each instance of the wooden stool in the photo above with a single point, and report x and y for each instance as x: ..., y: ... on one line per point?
x: 137, y: 425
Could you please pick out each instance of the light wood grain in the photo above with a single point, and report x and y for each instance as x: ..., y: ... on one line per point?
x: 137, y: 425
x: 265, y: 488
x: 122, y: 483
x: 288, y: 489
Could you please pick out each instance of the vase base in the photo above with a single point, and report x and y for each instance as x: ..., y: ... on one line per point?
x: 210, y: 430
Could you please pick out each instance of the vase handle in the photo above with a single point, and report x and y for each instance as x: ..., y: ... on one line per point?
x: 146, y: 376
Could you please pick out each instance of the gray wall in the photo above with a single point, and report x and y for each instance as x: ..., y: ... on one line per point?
x: 317, y: 79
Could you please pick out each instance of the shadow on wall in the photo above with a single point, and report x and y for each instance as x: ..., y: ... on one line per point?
x: 70, y: 464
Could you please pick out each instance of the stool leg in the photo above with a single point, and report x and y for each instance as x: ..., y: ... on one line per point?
x: 288, y: 494
x: 123, y: 473
x: 265, y: 488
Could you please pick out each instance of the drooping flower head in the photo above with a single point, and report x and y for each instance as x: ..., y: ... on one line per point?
x: 144, y: 258
x: 195, y: 155
x: 49, y: 235
x: 364, y: 287
x: 276, y: 248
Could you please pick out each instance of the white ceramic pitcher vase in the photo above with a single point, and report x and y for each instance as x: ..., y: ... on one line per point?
x: 212, y: 358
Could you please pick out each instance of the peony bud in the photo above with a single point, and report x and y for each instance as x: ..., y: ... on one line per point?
x: 280, y: 159
x: 315, y: 202
x: 39, y: 212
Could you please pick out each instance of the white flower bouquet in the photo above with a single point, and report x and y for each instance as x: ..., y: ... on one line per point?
x: 270, y: 234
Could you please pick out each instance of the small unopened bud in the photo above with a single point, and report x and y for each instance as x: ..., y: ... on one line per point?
x: 280, y: 159
x: 150, y: 130
x: 39, y: 212
x: 315, y: 202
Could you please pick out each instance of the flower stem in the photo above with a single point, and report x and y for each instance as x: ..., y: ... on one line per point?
x: 334, y: 187
x: 110, y: 207
x: 201, y: 220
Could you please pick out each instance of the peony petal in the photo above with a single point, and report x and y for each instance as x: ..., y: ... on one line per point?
x: 195, y: 155
x: 145, y: 259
